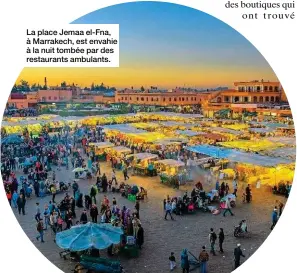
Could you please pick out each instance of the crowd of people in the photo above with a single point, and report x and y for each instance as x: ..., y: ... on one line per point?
x: 30, y: 170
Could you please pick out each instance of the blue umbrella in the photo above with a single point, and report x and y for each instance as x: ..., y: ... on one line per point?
x: 12, y: 139
x: 90, y: 235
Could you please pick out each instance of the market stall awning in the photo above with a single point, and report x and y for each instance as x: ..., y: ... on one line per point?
x: 123, y: 128
x: 290, y: 141
x: 143, y: 156
x: 171, y: 163
x: 225, y: 130
x: 284, y: 152
x: 102, y: 145
x: 261, y: 130
x: 148, y: 137
x: 238, y: 156
x: 189, y: 133
x: 121, y: 149
x: 251, y: 145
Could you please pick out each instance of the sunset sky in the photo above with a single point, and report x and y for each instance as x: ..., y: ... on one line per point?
x: 165, y: 45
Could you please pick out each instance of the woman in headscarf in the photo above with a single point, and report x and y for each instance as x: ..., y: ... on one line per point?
x: 185, y: 265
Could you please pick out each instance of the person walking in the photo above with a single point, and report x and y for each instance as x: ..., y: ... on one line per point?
x: 185, y: 265
x: 235, y: 187
x: 172, y: 261
x: 74, y: 188
x: 137, y: 208
x: 228, y: 207
x: 212, y: 239
x: 140, y: 236
x: 14, y: 199
x: 113, y: 177
x: 46, y: 215
x: 237, y: 255
x: 9, y: 197
x: 221, y: 240
x: 37, y: 214
x: 248, y: 194
x: 104, y: 183
x: 21, y: 202
x: 203, y: 259
x: 98, y: 168
x: 274, y: 218
x: 40, y: 230
x: 93, y: 193
x: 53, y: 222
x: 168, y: 210
x: 125, y: 172
x: 53, y: 191
x: 94, y: 213
x: 280, y: 206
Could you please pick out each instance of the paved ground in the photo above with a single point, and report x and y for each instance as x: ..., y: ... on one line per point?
x: 162, y: 237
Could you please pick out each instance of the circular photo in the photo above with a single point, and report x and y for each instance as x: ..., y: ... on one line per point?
x: 180, y: 159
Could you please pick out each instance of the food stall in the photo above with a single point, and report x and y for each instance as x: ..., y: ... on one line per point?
x: 251, y: 145
x: 118, y: 152
x: 172, y: 172
x: 251, y: 167
x: 100, y: 149
x: 143, y: 163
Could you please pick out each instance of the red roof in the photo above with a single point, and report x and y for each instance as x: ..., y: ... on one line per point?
x: 17, y: 96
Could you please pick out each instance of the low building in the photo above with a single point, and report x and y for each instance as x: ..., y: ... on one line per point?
x: 20, y: 101
x: 54, y: 96
x: 168, y: 98
x: 254, y: 96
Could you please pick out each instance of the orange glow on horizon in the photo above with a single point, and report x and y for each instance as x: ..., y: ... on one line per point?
x: 137, y: 76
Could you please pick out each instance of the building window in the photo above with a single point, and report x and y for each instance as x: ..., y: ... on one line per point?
x: 126, y: 98
x: 174, y: 99
x: 270, y: 88
x: 272, y: 99
x: 267, y: 99
x: 130, y: 98
x: 261, y: 99
x: 146, y: 99
x: 265, y: 88
x: 179, y: 99
x: 276, y: 88
x: 152, y: 99
x: 246, y: 99
x: 200, y: 100
x: 142, y: 99
x: 169, y: 99
x: 49, y: 97
x: 258, y: 88
x: 157, y: 99
x: 183, y: 99
x: 137, y: 98
x: 164, y: 99
x: 227, y: 99
x: 195, y: 98
x: 236, y: 99
x: 255, y: 99
x: 186, y: 98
